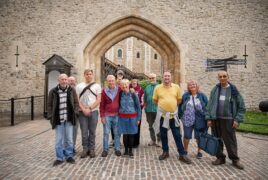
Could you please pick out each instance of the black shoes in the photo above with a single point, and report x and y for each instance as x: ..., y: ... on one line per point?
x: 199, y: 155
x: 104, y: 154
x: 117, y: 153
x: 163, y: 156
x: 126, y: 152
x: 218, y: 162
x: 70, y: 160
x: 57, y: 162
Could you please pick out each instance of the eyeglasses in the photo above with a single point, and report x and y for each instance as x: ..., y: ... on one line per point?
x: 152, y: 78
x: 224, y: 76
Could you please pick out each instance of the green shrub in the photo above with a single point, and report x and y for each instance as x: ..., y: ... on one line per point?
x: 145, y: 82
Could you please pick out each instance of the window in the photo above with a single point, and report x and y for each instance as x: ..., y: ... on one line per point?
x: 138, y: 54
x: 155, y: 56
x: 119, y: 53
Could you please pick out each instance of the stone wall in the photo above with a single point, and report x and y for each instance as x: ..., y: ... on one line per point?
x: 201, y: 29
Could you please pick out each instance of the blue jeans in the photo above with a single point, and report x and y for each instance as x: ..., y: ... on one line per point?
x: 176, y: 135
x: 64, y: 132
x: 88, y: 125
x: 111, y: 123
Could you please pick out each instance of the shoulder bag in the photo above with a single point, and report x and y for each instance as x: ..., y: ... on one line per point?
x: 208, y: 143
x: 200, y: 122
x: 88, y: 87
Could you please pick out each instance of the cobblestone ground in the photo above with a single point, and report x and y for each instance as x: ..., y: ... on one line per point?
x: 27, y: 152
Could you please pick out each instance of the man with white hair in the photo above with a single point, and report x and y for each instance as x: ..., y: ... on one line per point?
x: 62, y: 105
x: 72, y: 83
x: 109, y: 107
x: 151, y: 108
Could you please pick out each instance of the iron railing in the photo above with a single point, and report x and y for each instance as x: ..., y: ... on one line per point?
x: 32, y: 106
x: 109, y: 67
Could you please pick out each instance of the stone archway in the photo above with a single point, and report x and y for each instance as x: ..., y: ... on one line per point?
x: 139, y: 28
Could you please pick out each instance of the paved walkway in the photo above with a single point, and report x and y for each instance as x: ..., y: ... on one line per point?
x: 27, y: 152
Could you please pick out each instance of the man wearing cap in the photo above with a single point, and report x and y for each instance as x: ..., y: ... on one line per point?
x: 119, y: 76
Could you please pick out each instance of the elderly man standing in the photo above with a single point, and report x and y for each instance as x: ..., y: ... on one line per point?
x: 151, y: 108
x: 109, y: 108
x: 72, y: 83
x: 225, y: 111
x: 62, y: 104
x: 89, y: 94
x: 167, y: 96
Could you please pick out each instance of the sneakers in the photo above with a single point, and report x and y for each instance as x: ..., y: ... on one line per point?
x: 163, y: 156
x: 117, y: 153
x: 84, y: 153
x: 104, y: 154
x: 185, y: 159
x: 218, y: 161
x: 199, y: 155
x: 238, y: 165
x: 57, y: 162
x: 70, y: 160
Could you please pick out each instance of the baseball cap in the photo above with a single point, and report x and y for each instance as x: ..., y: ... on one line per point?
x: 120, y: 72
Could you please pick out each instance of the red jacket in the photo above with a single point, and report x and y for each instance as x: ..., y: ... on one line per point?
x: 107, y: 106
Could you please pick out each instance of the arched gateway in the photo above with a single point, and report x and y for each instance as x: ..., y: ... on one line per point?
x: 137, y: 27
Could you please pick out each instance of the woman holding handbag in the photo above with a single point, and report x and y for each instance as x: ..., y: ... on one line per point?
x: 192, y: 114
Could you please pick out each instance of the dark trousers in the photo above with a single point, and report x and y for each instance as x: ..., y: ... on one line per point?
x: 136, y: 142
x: 128, y: 140
x: 150, y: 117
x: 223, y: 129
x: 176, y: 135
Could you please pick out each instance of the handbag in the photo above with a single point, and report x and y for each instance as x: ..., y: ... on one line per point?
x: 208, y: 143
x: 200, y: 123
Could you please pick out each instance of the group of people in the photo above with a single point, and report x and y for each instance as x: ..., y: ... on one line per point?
x: 120, y: 104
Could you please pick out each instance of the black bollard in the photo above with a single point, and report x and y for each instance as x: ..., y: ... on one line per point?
x: 263, y: 106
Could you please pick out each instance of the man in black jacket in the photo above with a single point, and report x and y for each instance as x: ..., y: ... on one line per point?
x: 62, y: 104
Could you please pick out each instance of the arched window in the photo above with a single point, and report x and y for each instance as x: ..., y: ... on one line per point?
x: 119, y: 53
x: 155, y: 56
x: 138, y: 54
